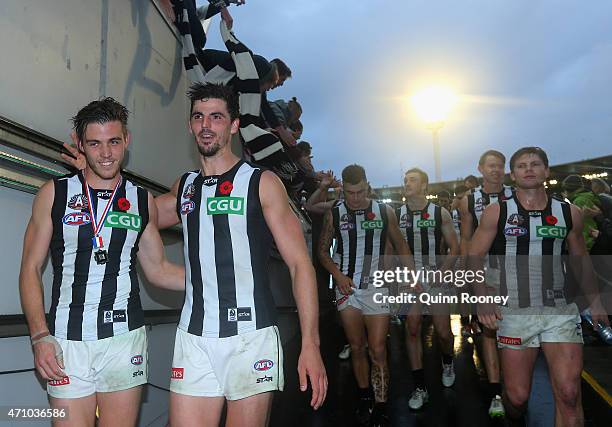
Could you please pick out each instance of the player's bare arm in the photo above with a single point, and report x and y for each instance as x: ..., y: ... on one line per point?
x: 287, y: 233
x: 317, y: 203
x: 345, y: 284
x: 35, y: 248
x: 167, y: 215
x: 479, y: 246
x: 450, y: 239
x: 158, y: 270
x: 467, y: 226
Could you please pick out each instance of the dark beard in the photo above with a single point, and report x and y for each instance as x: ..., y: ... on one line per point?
x: 214, y: 149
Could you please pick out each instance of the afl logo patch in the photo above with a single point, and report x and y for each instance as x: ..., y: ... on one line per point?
x: 263, y: 365
x: 345, y: 226
x: 187, y: 207
x: 137, y: 360
x: 76, y: 219
x: 515, y: 231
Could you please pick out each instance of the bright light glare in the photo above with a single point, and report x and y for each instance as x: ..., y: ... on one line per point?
x: 434, y: 103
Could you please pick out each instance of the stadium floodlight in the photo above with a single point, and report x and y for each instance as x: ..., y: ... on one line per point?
x: 433, y: 104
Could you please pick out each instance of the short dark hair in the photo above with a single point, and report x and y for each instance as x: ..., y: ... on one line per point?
x: 529, y: 150
x: 102, y: 111
x: 421, y: 173
x: 443, y: 193
x: 460, y: 189
x: 199, y: 91
x: 494, y: 153
x: 353, y: 174
x: 304, y: 147
x: 282, y: 68
x: 471, y: 178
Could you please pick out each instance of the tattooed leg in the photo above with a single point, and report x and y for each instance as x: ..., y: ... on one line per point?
x: 380, y: 382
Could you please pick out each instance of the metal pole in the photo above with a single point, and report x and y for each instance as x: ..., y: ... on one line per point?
x: 436, y: 148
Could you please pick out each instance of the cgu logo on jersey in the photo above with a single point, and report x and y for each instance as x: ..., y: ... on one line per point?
x: 78, y: 202
x: 77, y: 219
x: 123, y: 220
x: 515, y: 231
x: 551, y: 231
x: 225, y: 205
x: 372, y: 225
x: 426, y: 223
x: 263, y: 365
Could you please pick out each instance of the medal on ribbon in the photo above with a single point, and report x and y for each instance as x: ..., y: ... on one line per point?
x: 101, y: 255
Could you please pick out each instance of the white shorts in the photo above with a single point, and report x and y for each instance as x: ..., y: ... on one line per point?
x: 363, y: 300
x: 106, y: 365
x: 234, y: 367
x: 520, y: 328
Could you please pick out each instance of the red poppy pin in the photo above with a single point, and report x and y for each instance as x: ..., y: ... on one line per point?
x: 371, y: 216
x: 551, y: 219
x: 425, y: 215
x: 123, y: 203
x: 226, y: 187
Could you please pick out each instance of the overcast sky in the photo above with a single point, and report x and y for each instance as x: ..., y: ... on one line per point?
x: 529, y: 72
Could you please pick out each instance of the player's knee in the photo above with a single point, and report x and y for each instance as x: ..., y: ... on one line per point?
x: 517, y: 395
x: 567, y: 395
x: 413, y: 331
x: 358, y: 349
x: 445, y: 335
x: 378, y: 354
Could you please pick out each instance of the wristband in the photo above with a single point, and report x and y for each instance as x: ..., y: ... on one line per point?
x: 51, y: 340
x: 39, y: 335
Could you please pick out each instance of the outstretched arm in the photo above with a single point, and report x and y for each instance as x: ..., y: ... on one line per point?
x: 317, y: 202
x: 289, y: 239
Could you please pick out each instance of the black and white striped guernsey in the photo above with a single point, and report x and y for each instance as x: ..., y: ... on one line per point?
x: 91, y: 301
x: 531, y: 245
x: 361, y: 236
x: 456, y: 216
x: 478, y: 200
x: 422, y: 230
x: 227, y: 246
x: 264, y: 147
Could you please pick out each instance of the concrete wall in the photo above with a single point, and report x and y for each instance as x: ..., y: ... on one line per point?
x: 61, y: 54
